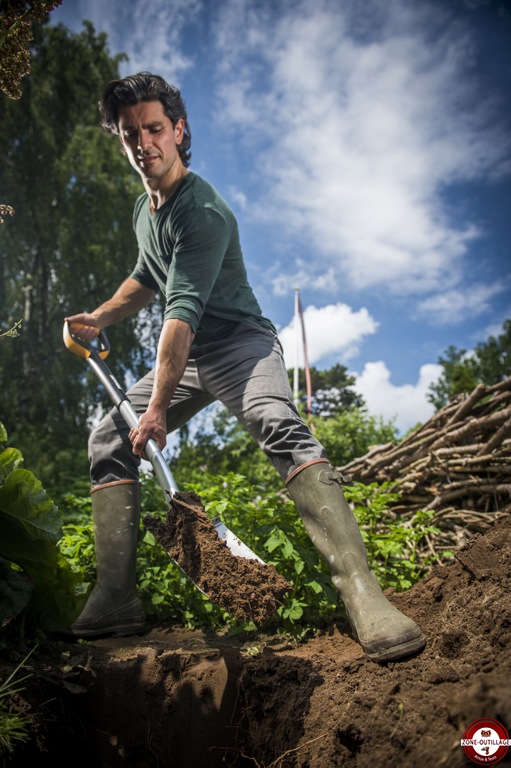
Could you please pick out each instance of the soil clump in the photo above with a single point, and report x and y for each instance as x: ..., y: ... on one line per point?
x: 246, y: 588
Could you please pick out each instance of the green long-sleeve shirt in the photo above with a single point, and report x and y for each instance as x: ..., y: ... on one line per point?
x: 189, y: 250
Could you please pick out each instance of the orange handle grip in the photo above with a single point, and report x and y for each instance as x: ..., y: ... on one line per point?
x: 83, y: 348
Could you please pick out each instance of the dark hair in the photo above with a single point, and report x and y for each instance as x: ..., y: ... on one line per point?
x: 145, y: 87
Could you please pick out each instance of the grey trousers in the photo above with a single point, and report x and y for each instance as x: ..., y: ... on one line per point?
x: 245, y: 372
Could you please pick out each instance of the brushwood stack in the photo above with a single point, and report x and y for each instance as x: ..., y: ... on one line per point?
x: 457, y: 464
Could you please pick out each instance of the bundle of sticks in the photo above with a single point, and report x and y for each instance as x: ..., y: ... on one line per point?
x: 457, y: 464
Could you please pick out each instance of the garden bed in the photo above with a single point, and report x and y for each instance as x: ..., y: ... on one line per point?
x: 172, y: 698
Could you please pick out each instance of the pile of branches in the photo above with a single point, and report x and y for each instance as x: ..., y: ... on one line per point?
x: 457, y: 464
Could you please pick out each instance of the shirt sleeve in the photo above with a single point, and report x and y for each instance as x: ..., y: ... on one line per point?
x: 142, y: 274
x: 201, y: 242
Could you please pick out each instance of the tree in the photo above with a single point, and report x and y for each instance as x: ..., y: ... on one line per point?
x: 16, y: 20
x: 350, y: 433
x: 488, y: 363
x: 457, y: 377
x: 68, y: 246
x: 331, y: 390
x: 494, y: 356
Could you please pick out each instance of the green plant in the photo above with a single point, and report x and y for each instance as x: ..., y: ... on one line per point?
x: 77, y: 546
x: 165, y: 591
x: 36, y: 583
x: 14, y: 726
x: 269, y: 524
x: 400, y: 711
x: 392, y: 544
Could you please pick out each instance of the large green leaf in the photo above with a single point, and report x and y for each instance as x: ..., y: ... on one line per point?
x: 15, y: 592
x: 10, y: 458
x: 29, y: 531
x: 23, y: 498
x: 54, y: 600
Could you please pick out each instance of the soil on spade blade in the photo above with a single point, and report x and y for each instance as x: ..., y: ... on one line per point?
x: 172, y: 698
x: 248, y: 589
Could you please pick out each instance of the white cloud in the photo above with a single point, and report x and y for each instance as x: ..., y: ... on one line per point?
x: 332, y: 330
x: 156, y: 43
x: 155, y: 39
x: 406, y: 404
x: 456, y: 305
x: 361, y: 115
x: 238, y: 197
x: 285, y: 282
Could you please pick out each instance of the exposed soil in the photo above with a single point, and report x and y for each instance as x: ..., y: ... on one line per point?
x: 246, y: 588
x: 178, y: 699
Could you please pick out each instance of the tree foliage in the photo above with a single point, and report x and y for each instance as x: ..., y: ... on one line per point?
x: 16, y: 19
x: 67, y: 248
x: 332, y: 390
x: 488, y: 363
x: 350, y: 433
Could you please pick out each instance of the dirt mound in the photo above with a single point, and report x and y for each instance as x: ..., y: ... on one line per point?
x: 179, y: 699
x: 408, y: 713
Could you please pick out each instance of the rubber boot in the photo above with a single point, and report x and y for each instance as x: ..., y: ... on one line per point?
x: 114, y: 606
x: 381, y: 629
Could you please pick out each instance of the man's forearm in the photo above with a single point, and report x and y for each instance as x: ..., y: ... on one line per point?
x: 129, y: 298
x: 173, y: 352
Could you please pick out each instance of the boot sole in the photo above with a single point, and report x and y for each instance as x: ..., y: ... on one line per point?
x: 122, y: 630
x: 395, y: 651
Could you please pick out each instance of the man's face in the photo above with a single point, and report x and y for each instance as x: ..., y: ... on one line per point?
x: 150, y: 140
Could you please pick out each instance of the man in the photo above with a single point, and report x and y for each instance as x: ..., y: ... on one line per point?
x: 214, y: 345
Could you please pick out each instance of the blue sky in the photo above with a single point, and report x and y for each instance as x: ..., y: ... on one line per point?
x: 365, y: 148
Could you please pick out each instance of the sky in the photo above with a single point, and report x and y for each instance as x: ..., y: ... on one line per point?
x: 365, y: 148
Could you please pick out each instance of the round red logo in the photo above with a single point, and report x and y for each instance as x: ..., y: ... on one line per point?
x: 485, y: 741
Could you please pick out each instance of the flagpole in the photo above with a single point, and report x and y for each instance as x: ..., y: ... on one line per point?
x: 302, y: 337
x: 297, y: 348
